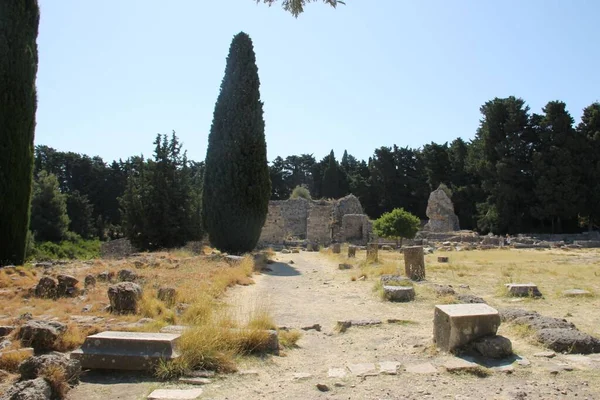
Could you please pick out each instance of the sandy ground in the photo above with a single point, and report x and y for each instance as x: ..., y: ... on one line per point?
x: 313, y: 291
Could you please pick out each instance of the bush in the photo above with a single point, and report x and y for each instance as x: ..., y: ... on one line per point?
x: 397, y: 224
x: 300, y: 192
x: 73, y: 248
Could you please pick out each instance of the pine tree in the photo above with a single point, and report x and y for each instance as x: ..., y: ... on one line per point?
x: 331, y: 179
x: 589, y: 129
x: 80, y: 212
x: 49, y: 220
x: 19, y: 21
x: 236, y: 184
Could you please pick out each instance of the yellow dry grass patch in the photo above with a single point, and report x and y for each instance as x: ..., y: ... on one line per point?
x: 486, y: 272
x: 199, y: 280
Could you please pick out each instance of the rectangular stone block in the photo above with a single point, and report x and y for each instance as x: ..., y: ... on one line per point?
x: 455, y: 325
x: 126, y: 350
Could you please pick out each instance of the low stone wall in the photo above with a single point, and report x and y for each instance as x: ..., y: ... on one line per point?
x: 319, y: 224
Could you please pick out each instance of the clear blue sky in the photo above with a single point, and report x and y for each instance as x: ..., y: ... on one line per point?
x: 114, y: 73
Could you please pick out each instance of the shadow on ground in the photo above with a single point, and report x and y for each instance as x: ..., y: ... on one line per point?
x: 280, y: 269
x: 114, y: 377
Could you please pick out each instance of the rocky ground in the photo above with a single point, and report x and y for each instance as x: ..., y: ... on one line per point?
x: 391, y: 360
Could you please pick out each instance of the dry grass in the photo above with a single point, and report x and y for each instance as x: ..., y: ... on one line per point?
x: 74, y: 337
x: 289, y: 339
x: 58, y: 380
x: 486, y: 272
x: 9, y: 361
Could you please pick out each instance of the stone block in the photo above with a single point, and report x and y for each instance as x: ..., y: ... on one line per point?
x: 336, y: 248
x: 523, y: 290
x: 398, y: 279
x: 455, y: 325
x: 126, y: 350
x: 399, y: 293
x: 577, y: 293
x: 351, y: 251
x: 175, y: 394
x: 442, y: 259
x: 414, y: 263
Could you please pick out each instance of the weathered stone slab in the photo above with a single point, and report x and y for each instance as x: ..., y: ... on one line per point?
x: 455, y: 325
x: 175, y: 394
x: 424, y: 368
x: 363, y: 369
x: 173, y: 329
x: 192, y: 380
x: 389, y: 367
x: 576, y: 293
x: 459, y: 365
x: 399, y: 293
x: 523, y: 290
x: 442, y: 259
x: 126, y: 350
x: 336, y: 248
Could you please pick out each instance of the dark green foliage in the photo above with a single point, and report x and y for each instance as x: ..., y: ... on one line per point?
x: 397, y: 224
x: 19, y: 20
x: 556, y: 172
x: 72, y: 248
x: 589, y: 132
x: 80, y: 212
x: 161, y: 204
x: 49, y: 220
x: 296, y: 7
x: 501, y: 158
x: 437, y: 164
x: 332, y: 188
x: 236, y: 185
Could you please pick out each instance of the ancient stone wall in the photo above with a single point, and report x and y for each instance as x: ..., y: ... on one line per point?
x: 274, y: 229
x: 344, y: 206
x: 316, y: 221
x: 355, y: 229
x: 294, y: 213
x: 319, y: 223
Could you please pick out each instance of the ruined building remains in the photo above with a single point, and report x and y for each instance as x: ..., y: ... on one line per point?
x: 440, y: 212
x: 317, y: 221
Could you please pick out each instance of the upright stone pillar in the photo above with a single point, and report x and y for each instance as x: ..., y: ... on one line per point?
x: 372, y: 252
x: 351, y: 251
x: 414, y: 263
x: 336, y: 248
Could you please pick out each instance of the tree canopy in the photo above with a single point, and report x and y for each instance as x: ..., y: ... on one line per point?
x: 296, y: 7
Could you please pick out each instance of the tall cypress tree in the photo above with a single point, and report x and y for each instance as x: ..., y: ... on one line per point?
x: 19, y: 20
x: 237, y: 186
x: 331, y: 179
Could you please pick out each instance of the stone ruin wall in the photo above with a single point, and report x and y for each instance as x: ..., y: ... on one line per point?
x: 315, y: 221
x: 319, y: 223
x: 356, y: 229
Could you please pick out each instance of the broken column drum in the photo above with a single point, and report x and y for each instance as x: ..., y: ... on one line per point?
x: 414, y: 263
x: 351, y: 251
x: 372, y: 252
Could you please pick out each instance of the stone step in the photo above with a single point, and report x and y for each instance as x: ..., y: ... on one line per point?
x: 126, y: 350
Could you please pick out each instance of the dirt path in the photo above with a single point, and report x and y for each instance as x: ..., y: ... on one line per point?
x: 313, y: 291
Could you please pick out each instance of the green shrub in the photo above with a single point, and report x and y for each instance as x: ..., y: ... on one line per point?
x: 300, y: 192
x: 73, y: 248
x: 397, y: 224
